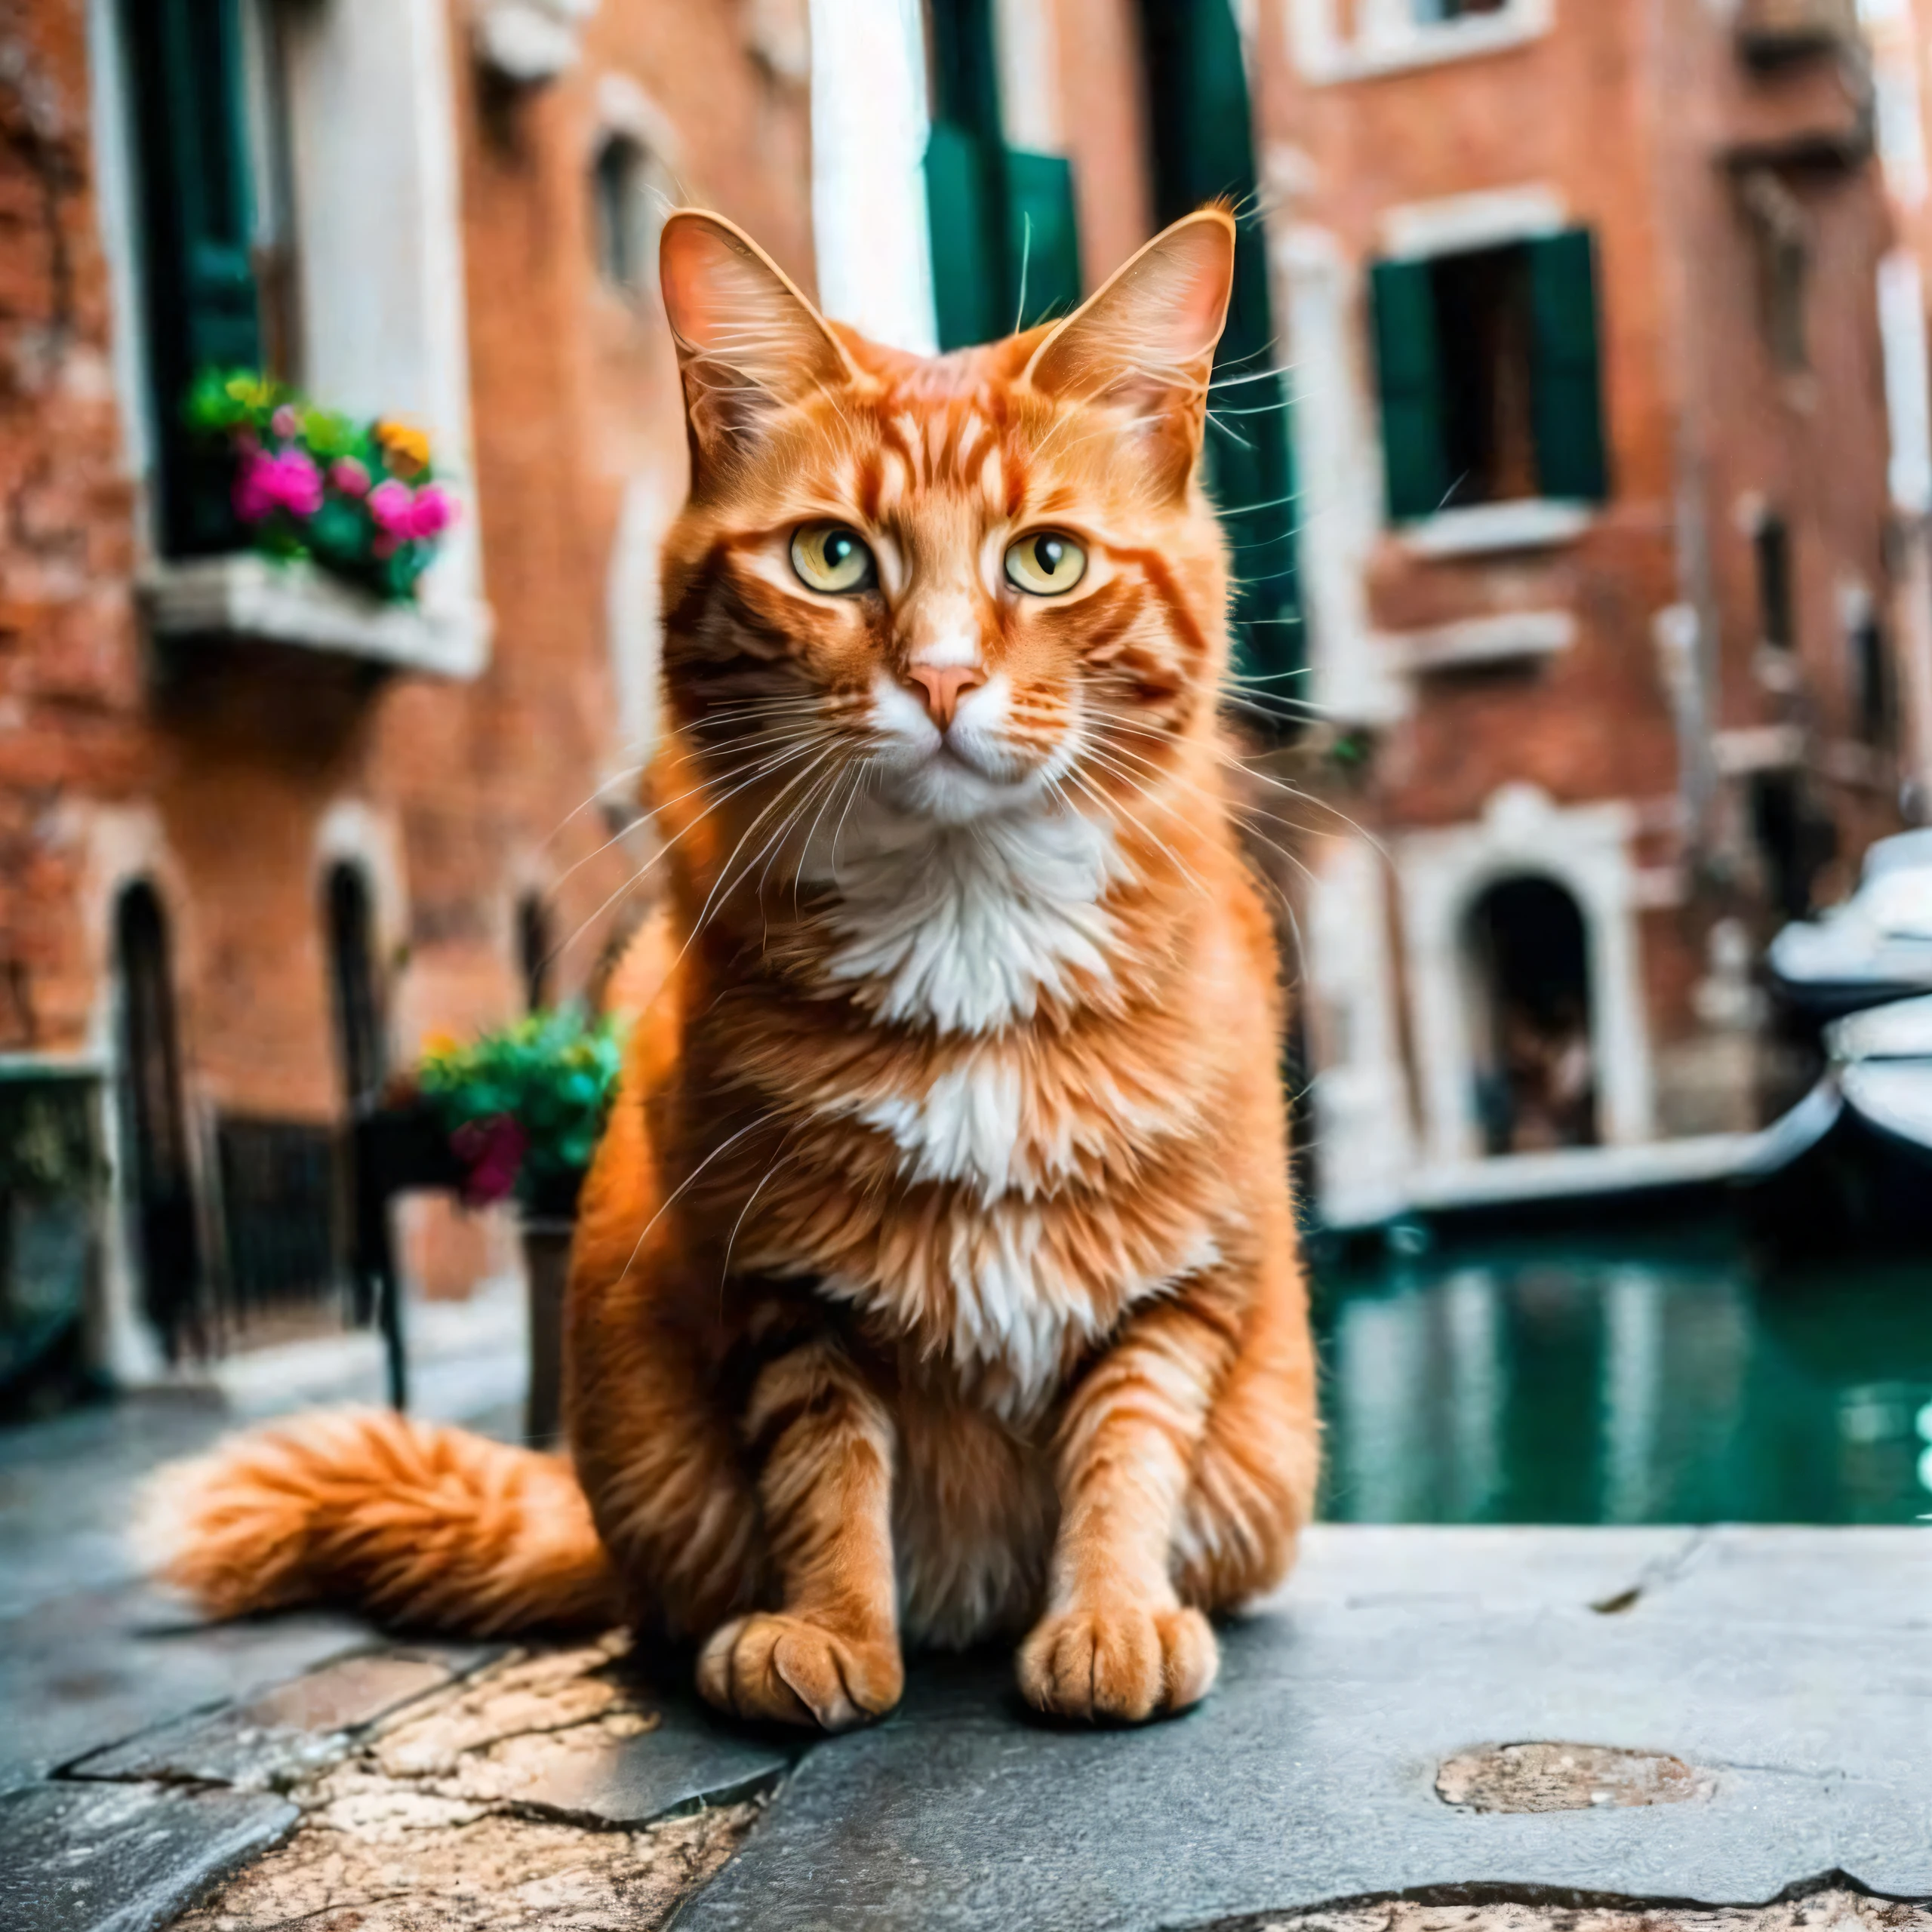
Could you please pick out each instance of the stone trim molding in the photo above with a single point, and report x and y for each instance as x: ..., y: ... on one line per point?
x: 1389, y: 38
x: 527, y: 42
x: 1535, y: 523
x: 248, y: 596
x: 1460, y: 224
x: 1500, y: 639
x: 1585, y: 850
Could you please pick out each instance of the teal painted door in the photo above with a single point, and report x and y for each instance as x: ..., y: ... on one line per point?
x: 1203, y: 142
x: 186, y: 64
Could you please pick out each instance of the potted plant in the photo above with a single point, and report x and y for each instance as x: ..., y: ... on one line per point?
x: 522, y: 1107
x: 360, y: 500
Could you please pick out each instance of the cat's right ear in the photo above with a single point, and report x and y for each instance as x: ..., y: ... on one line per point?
x: 749, y: 344
x: 1145, y: 342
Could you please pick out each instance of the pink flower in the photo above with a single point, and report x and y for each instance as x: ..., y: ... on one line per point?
x: 266, y: 483
x: 287, y: 423
x: 493, y: 1151
x: 297, y: 482
x: 392, y: 505
x: 254, y: 496
x: 384, y: 546
x: 350, y: 475
x: 432, y: 512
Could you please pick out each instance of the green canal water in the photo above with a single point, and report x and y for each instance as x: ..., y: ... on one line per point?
x: 1655, y: 1381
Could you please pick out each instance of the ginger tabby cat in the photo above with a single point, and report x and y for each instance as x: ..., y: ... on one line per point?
x: 936, y: 1277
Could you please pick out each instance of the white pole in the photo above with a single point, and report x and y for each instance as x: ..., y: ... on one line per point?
x: 869, y: 123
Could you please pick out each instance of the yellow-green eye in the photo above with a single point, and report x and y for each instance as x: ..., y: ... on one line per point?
x: 832, y: 558
x: 1045, y: 563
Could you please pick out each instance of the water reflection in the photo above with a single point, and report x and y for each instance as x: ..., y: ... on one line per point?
x: 1553, y: 1384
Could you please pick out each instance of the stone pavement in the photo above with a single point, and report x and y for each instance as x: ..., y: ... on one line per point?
x: 1431, y: 1730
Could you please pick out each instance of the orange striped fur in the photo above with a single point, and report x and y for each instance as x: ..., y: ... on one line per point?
x: 937, y: 1275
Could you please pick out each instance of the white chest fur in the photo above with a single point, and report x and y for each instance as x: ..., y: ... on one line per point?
x: 965, y: 927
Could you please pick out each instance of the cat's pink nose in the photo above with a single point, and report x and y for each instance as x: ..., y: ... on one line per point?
x: 943, y: 689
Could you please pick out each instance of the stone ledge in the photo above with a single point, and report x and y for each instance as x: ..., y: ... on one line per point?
x: 248, y: 596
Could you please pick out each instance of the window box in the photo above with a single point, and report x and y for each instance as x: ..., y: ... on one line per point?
x: 248, y: 596
x: 1490, y: 529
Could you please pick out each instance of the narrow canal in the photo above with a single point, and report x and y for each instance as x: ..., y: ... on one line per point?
x: 1665, y: 1379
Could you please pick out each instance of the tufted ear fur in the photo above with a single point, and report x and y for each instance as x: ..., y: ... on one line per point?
x: 1145, y: 342
x: 749, y: 344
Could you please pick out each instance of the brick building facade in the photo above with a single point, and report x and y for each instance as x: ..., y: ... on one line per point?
x: 257, y: 836
x: 1600, y: 426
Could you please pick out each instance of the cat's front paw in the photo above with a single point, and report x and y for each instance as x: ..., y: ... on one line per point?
x: 1121, y: 1663
x: 788, y: 1670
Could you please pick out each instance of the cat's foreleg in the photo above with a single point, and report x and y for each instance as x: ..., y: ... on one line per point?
x: 830, y: 1654
x: 1117, y: 1642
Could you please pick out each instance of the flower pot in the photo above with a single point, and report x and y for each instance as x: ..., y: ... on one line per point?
x: 547, y: 1255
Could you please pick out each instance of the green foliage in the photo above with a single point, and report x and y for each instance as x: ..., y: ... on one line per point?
x: 552, y: 1074
x: 47, y: 1148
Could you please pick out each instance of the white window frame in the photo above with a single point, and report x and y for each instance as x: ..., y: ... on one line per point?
x: 1586, y: 850
x: 1461, y: 225
x: 372, y: 102
x: 1388, y: 37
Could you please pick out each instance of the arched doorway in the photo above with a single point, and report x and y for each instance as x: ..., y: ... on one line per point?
x: 1527, y: 949
x: 160, y: 1175
x: 349, y: 918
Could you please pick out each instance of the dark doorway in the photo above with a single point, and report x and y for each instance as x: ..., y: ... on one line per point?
x: 1796, y: 840
x: 533, y: 951
x: 160, y: 1174
x: 359, y: 1016
x: 1536, y: 1061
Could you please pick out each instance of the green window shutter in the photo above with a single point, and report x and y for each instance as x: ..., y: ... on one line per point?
x: 960, y: 203
x: 1408, y: 370
x: 1042, y: 237
x: 191, y: 134
x: 1567, y: 380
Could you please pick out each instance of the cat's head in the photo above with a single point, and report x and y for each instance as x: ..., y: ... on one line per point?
x: 967, y: 585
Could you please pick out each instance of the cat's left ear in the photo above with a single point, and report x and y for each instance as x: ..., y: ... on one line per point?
x: 749, y: 345
x: 1145, y: 341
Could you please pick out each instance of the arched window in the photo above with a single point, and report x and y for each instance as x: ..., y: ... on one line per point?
x: 349, y: 920
x: 1528, y: 950
x: 627, y: 199
x: 160, y: 1174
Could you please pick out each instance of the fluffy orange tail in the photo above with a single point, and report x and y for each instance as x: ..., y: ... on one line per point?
x: 420, y: 1525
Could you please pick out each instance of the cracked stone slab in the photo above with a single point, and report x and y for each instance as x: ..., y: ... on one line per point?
x: 567, y: 1734
x: 123, y: 1858
x: 480, y: 1873
x: 1310, y: 1776
x: 294, y: 1728
x: 1832, y: 1910
x: 92, y: 1670
x: 546, y: 1790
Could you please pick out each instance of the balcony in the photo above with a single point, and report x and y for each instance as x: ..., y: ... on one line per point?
x: 1769, y: 31
x: 245, y: 596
